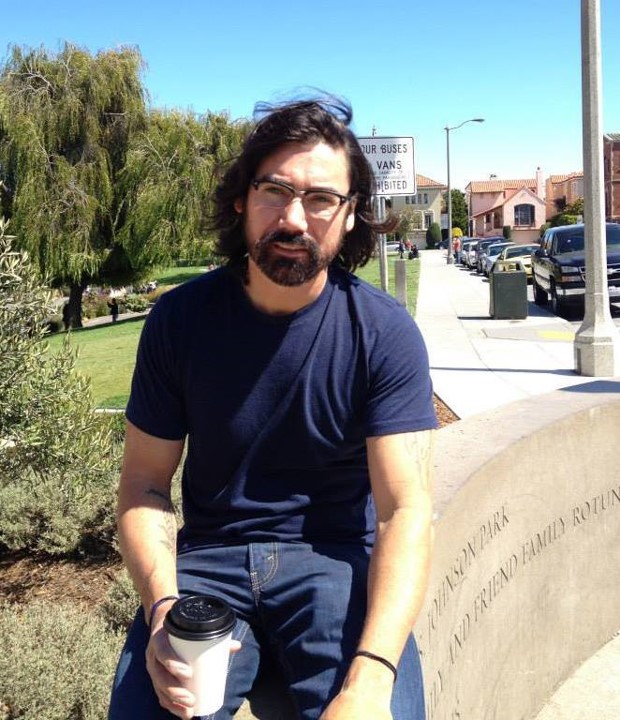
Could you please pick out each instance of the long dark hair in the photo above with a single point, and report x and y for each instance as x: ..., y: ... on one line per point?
x: 308, y: 121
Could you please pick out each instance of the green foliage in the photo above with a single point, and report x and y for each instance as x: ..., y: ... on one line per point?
x: 66, y: 120
x: 408, y: 221
x: 433, y: 235
x: 459, y: 209
x: 507, y: 232
x: 543, y: 228
x: 136, y: 303
x: 120, y: 604
x: 575, y: 208
x: 563, y: 219
x: 100, y: 189
x: 169, y: 177
x: 56, y: 663
x: 58, y: 460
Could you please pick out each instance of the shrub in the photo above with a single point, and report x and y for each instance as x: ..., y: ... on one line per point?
x: 94, y: 306
x: 507, y: 232
x: 120, y: 604
x: 56, y: 663
x: 433, y: 235
x: 58, y: 459
x: 136, y: 303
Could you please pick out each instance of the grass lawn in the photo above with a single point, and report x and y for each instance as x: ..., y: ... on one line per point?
x: 106, y: 353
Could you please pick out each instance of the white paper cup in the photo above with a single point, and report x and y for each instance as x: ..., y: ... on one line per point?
x: 200, y: 628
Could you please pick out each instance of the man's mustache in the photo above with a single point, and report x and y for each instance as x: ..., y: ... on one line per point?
x: 284, y: 238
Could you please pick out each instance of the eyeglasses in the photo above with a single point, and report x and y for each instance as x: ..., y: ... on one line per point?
x: 317, y: 203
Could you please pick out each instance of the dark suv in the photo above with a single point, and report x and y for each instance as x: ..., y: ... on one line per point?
x: 558, y: 267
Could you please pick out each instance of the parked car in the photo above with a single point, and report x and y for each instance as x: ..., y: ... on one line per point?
x: 558, y: 267
x: 522, y: 253
x: 492, y: 254
x: 465, y: 246
x: 481, y: 249
x: 469, y: 258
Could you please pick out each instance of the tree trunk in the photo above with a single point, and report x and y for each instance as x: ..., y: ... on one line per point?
x: 75, y: 305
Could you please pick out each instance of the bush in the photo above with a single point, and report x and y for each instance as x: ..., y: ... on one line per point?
x: 94, y: 306
x: 433, y: 236
x: 120, y: 604
x: 56, y: 663
x: 136, y: 303
x: 507, y: 232
x: 58, y: 459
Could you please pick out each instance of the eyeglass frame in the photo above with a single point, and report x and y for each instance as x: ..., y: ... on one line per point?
x: 300, y: 193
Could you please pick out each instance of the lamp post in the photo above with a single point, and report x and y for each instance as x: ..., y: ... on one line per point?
x: 447, y: 129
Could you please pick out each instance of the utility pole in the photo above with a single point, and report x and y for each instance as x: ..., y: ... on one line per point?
x: 597, y: 342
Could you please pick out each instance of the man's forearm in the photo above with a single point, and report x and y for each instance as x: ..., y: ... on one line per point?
x: 397, y: 581
x: 147, y: 536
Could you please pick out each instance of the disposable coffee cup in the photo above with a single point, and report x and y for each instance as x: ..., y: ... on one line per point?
x: 200, y: 628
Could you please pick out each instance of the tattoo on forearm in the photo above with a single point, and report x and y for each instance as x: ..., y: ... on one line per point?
x: 168, y: 522
x: 419, y: 446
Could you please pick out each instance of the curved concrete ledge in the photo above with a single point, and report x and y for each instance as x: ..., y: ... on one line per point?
x: 524, y: 584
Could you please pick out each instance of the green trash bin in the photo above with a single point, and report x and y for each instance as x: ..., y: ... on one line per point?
x: 508, y: 291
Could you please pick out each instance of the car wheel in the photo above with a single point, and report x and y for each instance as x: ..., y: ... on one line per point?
x: 558, y: 306
x: 540, y: 296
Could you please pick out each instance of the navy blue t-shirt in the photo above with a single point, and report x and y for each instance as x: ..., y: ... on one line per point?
x: 277, y: 409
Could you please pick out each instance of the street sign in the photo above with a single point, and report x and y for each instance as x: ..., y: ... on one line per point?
x: 392, y: 162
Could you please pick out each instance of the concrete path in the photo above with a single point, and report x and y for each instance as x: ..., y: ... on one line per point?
x: 477, y: 364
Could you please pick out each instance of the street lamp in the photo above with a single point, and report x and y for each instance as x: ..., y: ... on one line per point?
x: 447, y: 129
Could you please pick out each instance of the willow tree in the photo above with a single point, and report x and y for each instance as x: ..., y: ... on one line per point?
x: 168, y: 181
x: 65, y: 123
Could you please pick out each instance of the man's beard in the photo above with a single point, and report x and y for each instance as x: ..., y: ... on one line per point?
x: 288, y: 271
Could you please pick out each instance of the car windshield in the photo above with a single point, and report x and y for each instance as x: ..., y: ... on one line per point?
x: 613, y: 235
x: 495, y: 250
x: 520, y: 250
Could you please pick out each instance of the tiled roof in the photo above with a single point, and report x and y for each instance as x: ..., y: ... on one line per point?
x: 553, y: 179
x: 485, y: 186
x: 614, y: 137
x: 423, y: 181
x: 509, y: 195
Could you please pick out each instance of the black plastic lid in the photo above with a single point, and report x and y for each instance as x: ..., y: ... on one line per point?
x: 200, y: 617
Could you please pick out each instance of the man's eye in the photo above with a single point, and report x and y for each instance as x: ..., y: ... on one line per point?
x: 275, y: 190
x: 322, y: 199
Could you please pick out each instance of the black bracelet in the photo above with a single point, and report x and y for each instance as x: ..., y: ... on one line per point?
x: 159, y: 602
x: 378, y: 658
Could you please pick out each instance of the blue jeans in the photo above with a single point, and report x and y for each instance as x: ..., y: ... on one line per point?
x: 305, y: 604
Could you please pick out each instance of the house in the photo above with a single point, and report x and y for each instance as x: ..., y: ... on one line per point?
x: 611, y: 174
x: 426, y: 204
x: 519, y: 204
x: 561, y: 191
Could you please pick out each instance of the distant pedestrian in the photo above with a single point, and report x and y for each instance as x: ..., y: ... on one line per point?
x: 456, y: 248
x: 401, y: 249
x: 66, y: 316
x: 413, y: 253
x: 113, y: 305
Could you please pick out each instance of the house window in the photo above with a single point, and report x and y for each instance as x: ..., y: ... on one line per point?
x: 426, y: 198
x: 419, y: 200
x: 428, y: 220
x: 524, y: 215
x: 409, y: 199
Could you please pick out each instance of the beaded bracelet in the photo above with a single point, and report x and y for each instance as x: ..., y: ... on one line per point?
x: 378, y: 658
x: 159, y: 602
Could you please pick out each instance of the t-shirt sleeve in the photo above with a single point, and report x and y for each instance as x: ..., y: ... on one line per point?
x: 156, y: 401
x: 401, y: 392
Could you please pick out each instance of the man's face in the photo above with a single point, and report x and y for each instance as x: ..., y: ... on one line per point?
x: 293, y: 244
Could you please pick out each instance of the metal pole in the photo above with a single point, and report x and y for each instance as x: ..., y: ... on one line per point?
x: 597, y: 342
x: 450, y: 258
x: 383, y: 266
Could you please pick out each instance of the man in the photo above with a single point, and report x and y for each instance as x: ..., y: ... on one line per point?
x: 305, y: 399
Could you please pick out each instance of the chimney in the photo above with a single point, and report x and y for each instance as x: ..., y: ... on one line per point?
x: 539, y: 184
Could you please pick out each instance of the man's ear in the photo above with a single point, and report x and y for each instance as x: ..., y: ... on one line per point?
x: 238, y: 205
x: 350, y: 221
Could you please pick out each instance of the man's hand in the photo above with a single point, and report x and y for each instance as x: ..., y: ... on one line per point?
x: 170, y: 676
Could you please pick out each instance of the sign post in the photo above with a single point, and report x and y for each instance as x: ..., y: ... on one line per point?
x: 392, y: 162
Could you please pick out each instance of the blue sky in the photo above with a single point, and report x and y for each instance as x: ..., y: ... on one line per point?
x: 408, y: 68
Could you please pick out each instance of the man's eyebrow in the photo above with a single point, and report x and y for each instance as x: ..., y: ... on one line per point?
x: 276, y: 179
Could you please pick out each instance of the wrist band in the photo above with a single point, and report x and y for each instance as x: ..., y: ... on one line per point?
x: 159, y: 602
x: 378, y: 658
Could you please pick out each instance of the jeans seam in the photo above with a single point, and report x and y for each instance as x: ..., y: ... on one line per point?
x: 274, y: 567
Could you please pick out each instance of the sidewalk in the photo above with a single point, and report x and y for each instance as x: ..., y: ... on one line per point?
x: 478, y: 364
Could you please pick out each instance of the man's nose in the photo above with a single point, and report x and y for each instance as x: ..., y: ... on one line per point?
x: 293, y: 216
